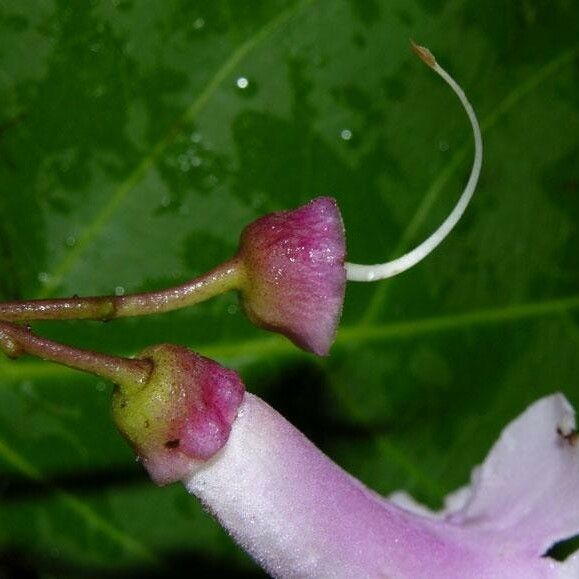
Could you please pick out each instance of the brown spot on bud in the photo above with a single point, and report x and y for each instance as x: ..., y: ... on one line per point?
x: 571, y: 437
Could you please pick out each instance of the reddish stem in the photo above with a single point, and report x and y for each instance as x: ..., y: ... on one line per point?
x: 219, y: 280
x: 16, y: 340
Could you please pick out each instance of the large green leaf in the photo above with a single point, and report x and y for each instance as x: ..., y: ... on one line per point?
x: 131, y: 157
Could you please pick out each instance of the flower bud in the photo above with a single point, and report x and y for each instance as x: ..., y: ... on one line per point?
x: 295, y: 277
x: 181, y: 414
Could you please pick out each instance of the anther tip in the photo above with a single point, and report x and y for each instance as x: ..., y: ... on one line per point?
x: 425, y: 55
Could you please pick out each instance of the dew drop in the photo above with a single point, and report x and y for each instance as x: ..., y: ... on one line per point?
x: 27, y: 387
x: 232, y: 309
x: 119, y: 290
x: 443, y: 145
x: 346, y: 134
x: 196, y: 137
x: 184, y: 163
x: 242, y: 82
x: 257, y: 200
x: 199, y: 24
x: 43, y: 277
x: 99, y: 91
x: 70, y: 241
x: 165, y: 201
x: 101, y: 386
x: 211, y: 180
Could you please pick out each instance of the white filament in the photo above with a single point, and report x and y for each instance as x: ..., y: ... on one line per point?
x: 358, y: 272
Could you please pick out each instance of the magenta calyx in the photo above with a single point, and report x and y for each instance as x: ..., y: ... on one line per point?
x: 289, y: 271
x: 295, y: 277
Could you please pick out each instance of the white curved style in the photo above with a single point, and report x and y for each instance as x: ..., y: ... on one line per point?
x: 358, y: 272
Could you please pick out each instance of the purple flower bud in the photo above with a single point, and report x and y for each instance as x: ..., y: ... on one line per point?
x: 181, y: 414
x: 295, y: 277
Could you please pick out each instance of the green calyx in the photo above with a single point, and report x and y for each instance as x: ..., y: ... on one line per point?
x: 181, y: 414
x: 146, y: 413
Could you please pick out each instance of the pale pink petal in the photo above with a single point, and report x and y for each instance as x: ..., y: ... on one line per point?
x: 570, y: 569
x: 527, y: 489
x: 452, y: 502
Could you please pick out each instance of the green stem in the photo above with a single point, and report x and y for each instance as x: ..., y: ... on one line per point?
x: 16, y: 340
x: 219, y: 280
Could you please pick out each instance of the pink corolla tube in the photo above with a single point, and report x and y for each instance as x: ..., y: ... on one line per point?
x: 300, y: 515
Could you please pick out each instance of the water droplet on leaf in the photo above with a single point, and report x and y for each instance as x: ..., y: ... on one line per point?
x: 346, y: 134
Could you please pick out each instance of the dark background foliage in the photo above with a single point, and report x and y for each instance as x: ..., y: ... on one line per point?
x: 131, y: 158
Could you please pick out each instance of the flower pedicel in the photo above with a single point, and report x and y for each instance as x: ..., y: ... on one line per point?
x: 290, y: 268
